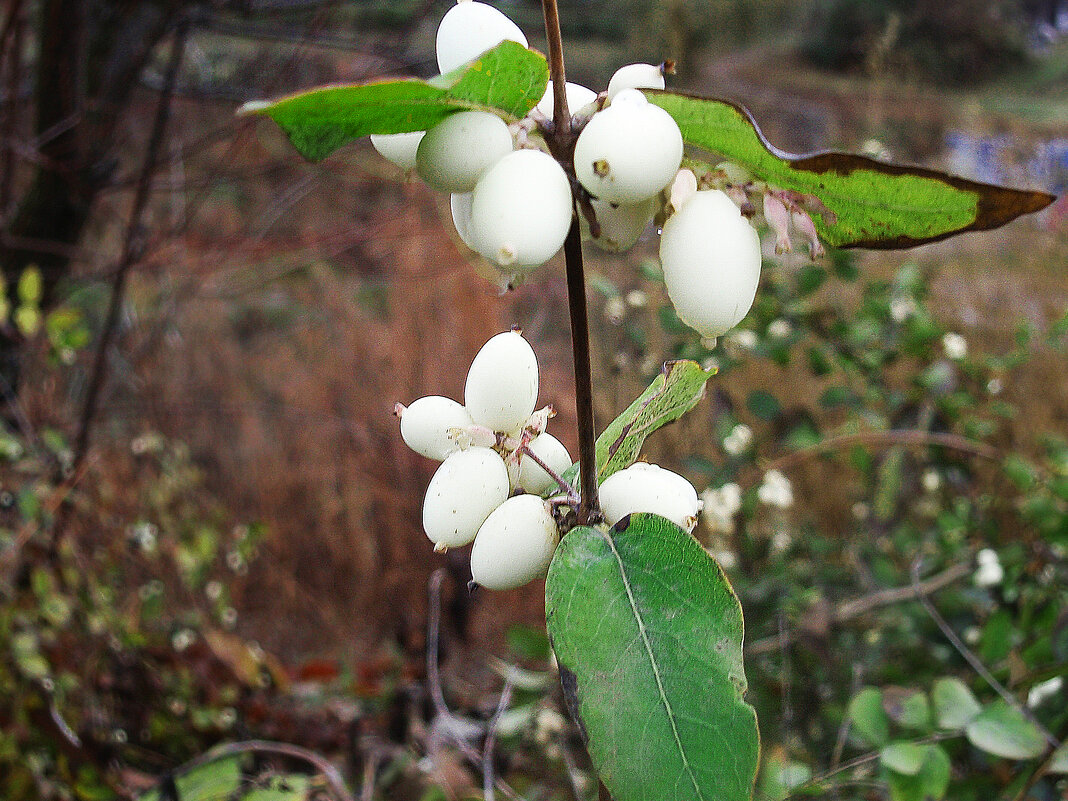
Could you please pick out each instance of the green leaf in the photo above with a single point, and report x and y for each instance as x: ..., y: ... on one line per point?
x: 218, y: 779
x: 929, y: 781
x: 1059, y: 763
x: 868, y: 716
x: 955, y: 705
x: 29, y: 287
x: 903, y: 757
x: 648, y: 635
x: 1003, y: 731
x: 907, y: 707
x: 875, y: 205
x: 763, y: 405
x: 507, y: 80
x: 678, y: 388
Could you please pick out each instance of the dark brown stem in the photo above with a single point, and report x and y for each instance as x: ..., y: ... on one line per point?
x: 561, y: 114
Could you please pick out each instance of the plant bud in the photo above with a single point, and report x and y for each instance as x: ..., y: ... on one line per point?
x: 711, y: 260
x: 455, y: 152
x: 425, y: 426
x: 515, y: 544
x: 398, y: 148
x: 469, y: 29
x: 645, y: 487
x: 527, y: 475
x: 467, y: 486
x: 502, y: 384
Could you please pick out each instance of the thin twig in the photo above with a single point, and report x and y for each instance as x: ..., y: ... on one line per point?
x: 897, y: 437
x: 490, y: 744
x: 856, y: 607
x: 132, y: 246
x: 524, y: 450
x: 561, y: 114
x: 974, y: 661
x: 13, y: 26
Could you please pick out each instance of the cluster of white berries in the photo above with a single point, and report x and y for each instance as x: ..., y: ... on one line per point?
x: 512, y: 202
x: 490, y: 484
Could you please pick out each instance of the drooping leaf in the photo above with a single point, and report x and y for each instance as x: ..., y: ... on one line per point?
x: 678, y: 388
x: 874, y: 205
x: 955, y: 705
x: 868, y: 716
x: 1003, y: 731
x: 507, y: 80
x: 648, y: 635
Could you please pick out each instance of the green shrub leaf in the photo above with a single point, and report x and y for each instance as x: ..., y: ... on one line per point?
x: 868, y: 716
x: 874, y: 205
x: 1003, y: 731
x: 508, y: 80
x: 648, y: 635
x: 903, y: 757
x: 678, y: 388
x: 955, y: 705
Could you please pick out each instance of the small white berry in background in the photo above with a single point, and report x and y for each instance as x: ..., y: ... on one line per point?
x: 628, y: 152
x: 720, y: 505
x: 636, y: 76
x: 521, y: 210
x: 738, y: 440
x: 528, y: 475
x: 578, y: 97
x: 645, y: 487
x: 1043, y: 691
x: 931, y: 480
x: 776, y: 490
x: 426, y: 424
x: 469, y: 29
x: 901, y: 308
x: 398, y: 148
x: 455, y: 152
x: 467, y: 486
x: 990, y: 572
x: 515, y: 544
x: 502, y: 385
x: 779, y: 329
x: 955, y: 346
x: 711, y: 259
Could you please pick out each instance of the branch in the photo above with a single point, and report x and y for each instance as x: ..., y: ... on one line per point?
x: 561, y: 115
x: 856, y: 607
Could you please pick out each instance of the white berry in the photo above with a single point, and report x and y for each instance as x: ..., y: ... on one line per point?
x: 521, y: 209
x: 628, y: 152
x: 711, y: 259
x: 425, y: 426
x: 398, y: 148
x: 578, y: 97
x: 502, y: 384
x: 467, y: 486
x: 468, y: 30
x: 621, y: 225
x: 527, y: 475
x: 515, y: 544
x: 460, y: 203
x: 635, y: 76
x: 644, y: 487
x: 455, y: 152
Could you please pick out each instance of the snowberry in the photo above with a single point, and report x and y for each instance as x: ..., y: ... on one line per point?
x: 711, y: 260
x: 467, y: 486
x: 635, y: 76
x: 460, y: 203
x: 527, y: 475
x: 425, y: 425
x: 515, y: 544
x: 644, y: 487
x: 621, y: 225
x: 628, y: 152
x: 469, y: 29
x: 398, y: 148
x: 502, y: 384
x: 521, y: 209
x: 455, y: 152
x: 578, y: 96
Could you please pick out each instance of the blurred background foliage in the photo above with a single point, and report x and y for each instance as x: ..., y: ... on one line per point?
x: 227, y: 547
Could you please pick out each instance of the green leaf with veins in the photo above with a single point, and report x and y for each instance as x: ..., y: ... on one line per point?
x: 507, y: 80
x: 648, y: 635
x: 874, y: 204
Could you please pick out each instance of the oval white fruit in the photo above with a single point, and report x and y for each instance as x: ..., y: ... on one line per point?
x: 398, y: 148
x: 426, y: 423
x: 502, y: 384
x: 635, y: 76
x: 466, y: 488
x: 460, y: 203
x: 515, y: 544
x: 527, y: 475
x: 455, y: 152
x: 711, y: 259
x: 469, y: 29
x: 628, y: 152
x: 521, y: 209
x: 621, y: 225
x: 578, y: 97
x: 644, y: 487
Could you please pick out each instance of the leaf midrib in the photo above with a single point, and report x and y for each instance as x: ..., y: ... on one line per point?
x: 652, y: 662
